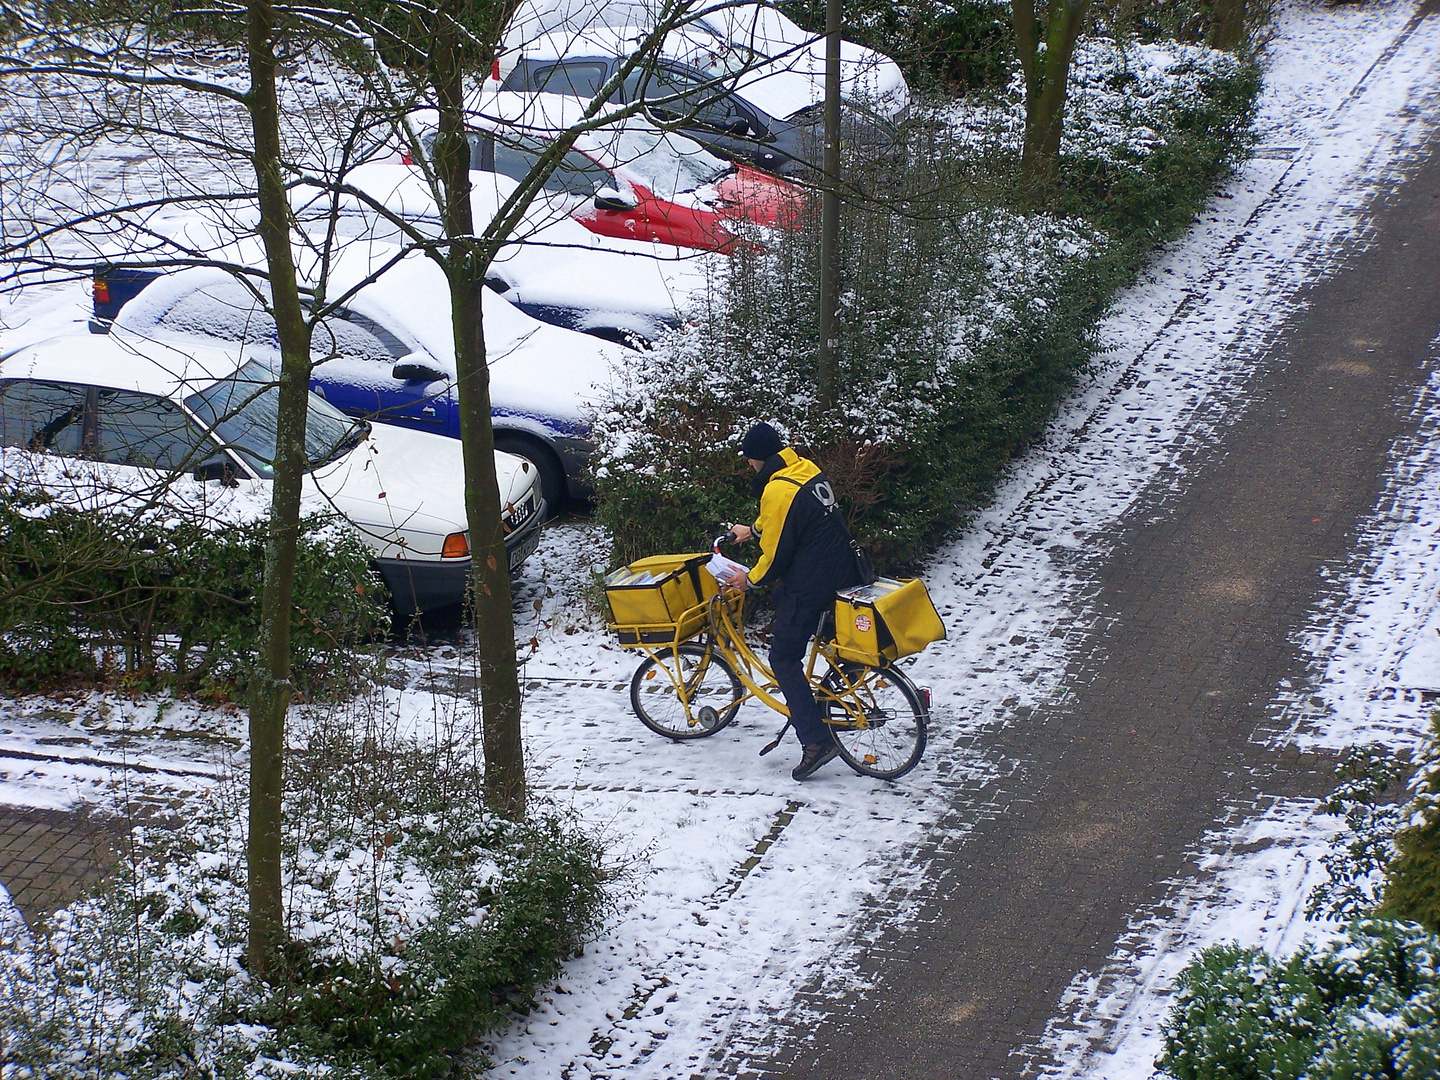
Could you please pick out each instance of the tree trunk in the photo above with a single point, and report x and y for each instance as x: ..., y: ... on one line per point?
x: 1045, y: 54
x: 465, y: 267
x: 827, y: 377
x: 1227, y: 24
x: 272, y: 689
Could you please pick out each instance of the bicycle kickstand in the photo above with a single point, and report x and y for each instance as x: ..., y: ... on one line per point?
x: 776, y: 741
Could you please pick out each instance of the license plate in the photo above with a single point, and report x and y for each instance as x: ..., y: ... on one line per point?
x: 524, y: 549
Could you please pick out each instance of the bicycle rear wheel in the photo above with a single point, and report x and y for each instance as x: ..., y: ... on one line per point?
x: 890, y: 739
x: 711, y: 684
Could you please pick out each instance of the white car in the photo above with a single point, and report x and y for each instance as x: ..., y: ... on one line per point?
x: 149, y: 409
x: 781, y: 66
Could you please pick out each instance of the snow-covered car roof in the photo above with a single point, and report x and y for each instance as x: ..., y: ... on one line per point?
x: 116, y: 364
x: 613, y: 275
x: 778, y: 66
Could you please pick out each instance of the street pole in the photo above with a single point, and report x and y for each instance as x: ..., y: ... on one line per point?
x: 826, y: 373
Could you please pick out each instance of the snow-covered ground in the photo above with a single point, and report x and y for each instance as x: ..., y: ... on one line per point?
x: 755, y: 883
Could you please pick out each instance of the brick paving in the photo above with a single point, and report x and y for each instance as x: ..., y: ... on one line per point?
x: 1164, y: 721
x: 49, y: 858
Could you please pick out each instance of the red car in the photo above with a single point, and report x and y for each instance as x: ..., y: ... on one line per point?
x: 633, y: 182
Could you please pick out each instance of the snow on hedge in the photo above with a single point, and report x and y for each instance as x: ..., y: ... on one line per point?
x: 1006, y: 267
x: 1125, y: 101
x: 413, y: 926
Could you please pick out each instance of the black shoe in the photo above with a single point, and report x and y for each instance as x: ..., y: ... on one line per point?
x: 815, y: 755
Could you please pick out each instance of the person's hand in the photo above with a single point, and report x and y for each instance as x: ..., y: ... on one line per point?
x: 741, y: 533
x: 737, y: 580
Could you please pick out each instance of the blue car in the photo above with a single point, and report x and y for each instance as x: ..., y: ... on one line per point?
x: 388, y: 353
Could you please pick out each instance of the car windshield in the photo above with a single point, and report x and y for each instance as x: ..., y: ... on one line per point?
x: 666, y: 163
x: 243, y: 410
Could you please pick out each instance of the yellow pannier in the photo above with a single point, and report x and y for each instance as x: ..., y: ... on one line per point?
x: 659, y: 600
x: 885, y: 621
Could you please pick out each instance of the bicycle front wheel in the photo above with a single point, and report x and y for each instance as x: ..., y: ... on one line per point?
x: 712, y: 687
x: 879, y: 721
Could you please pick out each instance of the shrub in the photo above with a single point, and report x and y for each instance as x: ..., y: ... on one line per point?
x: 165, y: 591
x: 1387, y: 859
x: 1365, y: 1007
x: 1150, y: 129
x: 1358, y: 856
x: 945, y: 373
x: 1412, y: 888
x: 1244, y: 1015
x: 955, y: 44
x: 418, y: 922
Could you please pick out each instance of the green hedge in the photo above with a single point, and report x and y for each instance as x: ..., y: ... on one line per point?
x: 1366, y: 1007
x: 957, y: 44
x: 1412, y: 878
x: 165, y: 598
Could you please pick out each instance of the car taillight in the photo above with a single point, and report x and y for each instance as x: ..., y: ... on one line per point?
x: 100, y: 290
x: 406, y: 159
x: 456, y: 546
x: 495, y: 70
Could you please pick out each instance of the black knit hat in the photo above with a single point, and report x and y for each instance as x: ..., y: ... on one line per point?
x: 761, y: 441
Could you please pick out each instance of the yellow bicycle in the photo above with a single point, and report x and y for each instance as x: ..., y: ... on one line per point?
x: 699, y: 669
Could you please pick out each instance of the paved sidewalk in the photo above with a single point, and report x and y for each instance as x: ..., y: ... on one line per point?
x: 1164, y: 721
x: 49, y: 858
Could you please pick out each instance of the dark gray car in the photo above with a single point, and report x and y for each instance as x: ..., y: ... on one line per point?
x: 720, y: 120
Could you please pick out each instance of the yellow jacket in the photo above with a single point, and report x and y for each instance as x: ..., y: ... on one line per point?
x: 802, y: 533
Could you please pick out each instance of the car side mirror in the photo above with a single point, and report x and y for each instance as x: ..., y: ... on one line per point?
x: 607, y: 198
x: 738, y: 126
x: 416, y: 371
x: 217, y: 469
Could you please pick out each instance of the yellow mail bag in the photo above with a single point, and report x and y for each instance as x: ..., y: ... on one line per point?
x: 654, y: 600
x: 886, y: 620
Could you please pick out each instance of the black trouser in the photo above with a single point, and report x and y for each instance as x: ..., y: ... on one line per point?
x: 795, y: 620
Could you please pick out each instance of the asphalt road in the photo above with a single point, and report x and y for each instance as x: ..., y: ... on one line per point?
x: 1163, y: 725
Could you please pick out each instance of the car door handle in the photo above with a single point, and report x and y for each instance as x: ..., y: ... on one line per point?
x: 428, y: 410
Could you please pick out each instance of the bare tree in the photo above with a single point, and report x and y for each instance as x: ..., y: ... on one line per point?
x: 130, y: 56
x: 442, y: 48
x: 1046, y: 42
x: 272, y: 690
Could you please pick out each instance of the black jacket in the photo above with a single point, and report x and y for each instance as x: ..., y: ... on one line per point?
x: 804, y: 543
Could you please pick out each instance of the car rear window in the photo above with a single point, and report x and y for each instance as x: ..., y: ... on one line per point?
x: 228, y: 313
x: 580, y: 80
x: 576, y: 174
x: 668, y: 164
